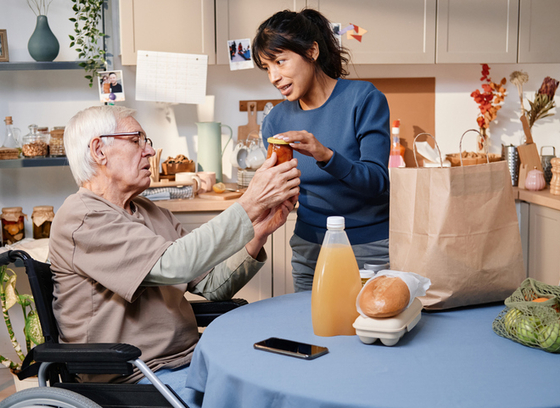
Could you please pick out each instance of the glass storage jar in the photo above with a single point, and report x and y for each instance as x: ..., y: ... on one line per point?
x: 284, y: 151
x: 42, y: 219
x: 35, y: 143
x: 13, y: 229
x: 56, y: 143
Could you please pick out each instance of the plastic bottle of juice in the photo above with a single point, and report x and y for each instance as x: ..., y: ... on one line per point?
x: 336, y: 284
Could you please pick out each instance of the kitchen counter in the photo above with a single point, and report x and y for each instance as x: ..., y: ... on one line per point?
x: 198, y: 204
x: 542, y: 197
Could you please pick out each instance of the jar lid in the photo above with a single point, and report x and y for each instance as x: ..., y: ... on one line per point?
x: 8, y: 120
x: 12, y: 209
x: 43, y: 129
x: 273, y: 140
x: 43, y: 208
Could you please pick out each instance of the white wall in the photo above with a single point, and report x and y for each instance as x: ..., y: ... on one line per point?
x: 50, y: 98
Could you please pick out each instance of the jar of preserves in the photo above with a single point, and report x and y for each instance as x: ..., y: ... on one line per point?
x: 56, y: 143
x: 42, y: 219
x: 35, y: 143
x: 284, y: 151
x: 13, y: 228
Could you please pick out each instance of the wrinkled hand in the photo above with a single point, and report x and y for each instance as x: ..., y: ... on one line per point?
x: 307, y: 144
x: 271, y: 186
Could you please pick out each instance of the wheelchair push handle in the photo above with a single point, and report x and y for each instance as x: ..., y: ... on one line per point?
x: 9, y: 257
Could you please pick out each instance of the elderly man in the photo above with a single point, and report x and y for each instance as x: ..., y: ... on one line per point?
x: 122, y: 265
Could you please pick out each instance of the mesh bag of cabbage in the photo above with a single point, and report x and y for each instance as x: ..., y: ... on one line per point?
x: 532, y: 316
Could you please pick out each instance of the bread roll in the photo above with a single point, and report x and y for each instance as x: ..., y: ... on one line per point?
x: 385, y: 296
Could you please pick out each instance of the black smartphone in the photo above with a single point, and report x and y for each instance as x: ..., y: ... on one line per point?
x: 291, y: 348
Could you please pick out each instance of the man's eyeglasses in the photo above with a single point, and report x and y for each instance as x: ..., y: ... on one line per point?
x: 142, y: 139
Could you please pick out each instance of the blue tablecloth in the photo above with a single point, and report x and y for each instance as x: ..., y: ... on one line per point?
x: 450, y: 359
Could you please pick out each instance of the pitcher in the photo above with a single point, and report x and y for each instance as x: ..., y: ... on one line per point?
x: 210, y: 149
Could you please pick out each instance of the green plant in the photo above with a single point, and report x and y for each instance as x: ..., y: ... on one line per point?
x: 9, y: 297
x: 87, y: 36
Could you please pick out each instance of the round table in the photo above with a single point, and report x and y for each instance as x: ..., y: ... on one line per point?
x: 450, y: 359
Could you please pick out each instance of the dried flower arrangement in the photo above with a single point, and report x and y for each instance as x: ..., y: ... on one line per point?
x: 32, y: 330
x: 544, y: 97
x: 489, y: 103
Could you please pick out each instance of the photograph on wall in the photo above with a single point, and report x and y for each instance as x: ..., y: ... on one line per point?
x: 111, y: 87
x: 240, y: 54
x: 4, y: 46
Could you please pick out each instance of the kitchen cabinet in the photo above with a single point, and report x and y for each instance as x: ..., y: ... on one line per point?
x: 182, y: 26
x: 398, y: 31
x: 544, y: 244
x: 258, y: 288
x: 477, y: 31
x: 539, y: 31
x: 275, y: 278
x: 239, y: 19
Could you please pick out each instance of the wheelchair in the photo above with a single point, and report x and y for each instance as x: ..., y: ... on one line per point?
x: 58, y: 364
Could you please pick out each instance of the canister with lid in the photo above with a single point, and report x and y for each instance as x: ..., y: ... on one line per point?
x: 56, y: 143
x: 42, y: 219
x: 13, y: 228
x: 35, y: 143
x: 283, y: 150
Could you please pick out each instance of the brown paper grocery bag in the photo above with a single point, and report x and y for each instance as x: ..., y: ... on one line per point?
x: 458, y: 227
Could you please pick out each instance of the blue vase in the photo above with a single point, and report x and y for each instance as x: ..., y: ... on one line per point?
x: 43, y: 45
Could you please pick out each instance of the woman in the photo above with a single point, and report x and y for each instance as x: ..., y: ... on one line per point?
x: 339, y: 130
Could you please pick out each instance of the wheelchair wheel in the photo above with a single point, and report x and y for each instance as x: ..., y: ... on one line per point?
x: 47, y: 397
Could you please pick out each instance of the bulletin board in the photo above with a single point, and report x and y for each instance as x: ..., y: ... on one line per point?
x: 412, y: 100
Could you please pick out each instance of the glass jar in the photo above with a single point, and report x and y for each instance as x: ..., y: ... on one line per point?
x: 56, y: 143
x: 13, y: 229
x: 42, y: 219
x: 35, y: 144
x: 284, y: 151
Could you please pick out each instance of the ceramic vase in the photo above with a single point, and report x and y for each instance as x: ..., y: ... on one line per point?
x: 43, y: 45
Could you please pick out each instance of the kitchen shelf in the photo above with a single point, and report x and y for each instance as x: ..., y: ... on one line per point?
x: 33, y: 66
x: 39, y: 162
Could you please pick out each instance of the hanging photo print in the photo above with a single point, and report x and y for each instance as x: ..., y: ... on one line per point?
x: 111, y: 88
x: 240, y: 54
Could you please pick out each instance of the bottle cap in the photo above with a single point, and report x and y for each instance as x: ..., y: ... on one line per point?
x: 8, y: 120
x: 335, y: 223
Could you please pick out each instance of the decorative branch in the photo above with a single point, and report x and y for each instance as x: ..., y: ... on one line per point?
x: 39, y: 7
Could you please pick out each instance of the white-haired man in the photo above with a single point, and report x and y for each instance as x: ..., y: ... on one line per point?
x: 122, y: 264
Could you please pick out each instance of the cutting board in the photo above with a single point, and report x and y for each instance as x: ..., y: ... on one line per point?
x: 251, y: 126
x: 528, y: 152
x: 227, y: 195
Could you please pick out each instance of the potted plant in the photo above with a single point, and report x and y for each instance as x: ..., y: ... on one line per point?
x: 88, y: 38
x: 33, y: 335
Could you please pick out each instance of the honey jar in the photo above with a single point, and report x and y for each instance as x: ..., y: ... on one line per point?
x: 42, y: 219
x: 284, y: 151
x: 13, y: 229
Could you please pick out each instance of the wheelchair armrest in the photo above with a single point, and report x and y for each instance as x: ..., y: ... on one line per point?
x: 93, y: 358
x: 206, y: 311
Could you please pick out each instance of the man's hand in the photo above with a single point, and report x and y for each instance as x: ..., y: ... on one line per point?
x: 271, y: 186
x: 268, y: 222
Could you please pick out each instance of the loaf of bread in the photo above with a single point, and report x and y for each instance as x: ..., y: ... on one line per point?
x: 385, y: 296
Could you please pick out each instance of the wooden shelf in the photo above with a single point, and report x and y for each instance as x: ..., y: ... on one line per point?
x: 38, y: 162
x: 36, y: 66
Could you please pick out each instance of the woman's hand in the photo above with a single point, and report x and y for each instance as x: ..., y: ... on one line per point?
x: 305, y: 143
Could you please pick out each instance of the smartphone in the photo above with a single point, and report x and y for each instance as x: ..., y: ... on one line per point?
x: 291, y: 348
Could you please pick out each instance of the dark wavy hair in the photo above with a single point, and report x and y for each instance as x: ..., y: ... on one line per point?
x: 296, y: 32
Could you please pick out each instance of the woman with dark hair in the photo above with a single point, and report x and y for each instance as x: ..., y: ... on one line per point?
x: 339, y: 130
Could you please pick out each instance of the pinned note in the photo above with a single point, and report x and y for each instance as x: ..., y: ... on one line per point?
x: 171, y: 77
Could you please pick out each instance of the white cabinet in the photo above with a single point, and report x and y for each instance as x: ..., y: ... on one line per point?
x: 183, y: 26
x: 539, y: 31
x: 544, y: 244
x: 239, y: 19
x: 480, y: 31
x: 258, y: 288
x: 398, y: 31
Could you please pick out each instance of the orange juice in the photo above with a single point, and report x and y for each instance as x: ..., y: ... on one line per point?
x: 336, y: 285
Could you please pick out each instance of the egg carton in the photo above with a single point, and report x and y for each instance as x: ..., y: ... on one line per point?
x: 388, y: 329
